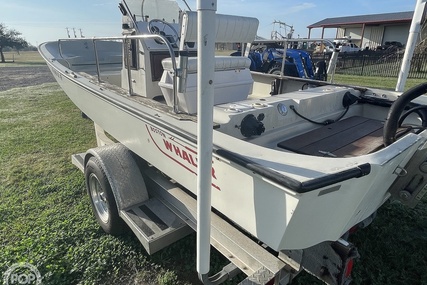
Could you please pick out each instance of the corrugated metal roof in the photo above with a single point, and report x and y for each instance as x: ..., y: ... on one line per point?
x: 367, y: 19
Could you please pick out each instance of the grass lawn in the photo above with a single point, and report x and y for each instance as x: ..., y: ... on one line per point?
x: 375, y: 82
x: 46, y: 219
x: 45, y: 214
x: 26, y: 58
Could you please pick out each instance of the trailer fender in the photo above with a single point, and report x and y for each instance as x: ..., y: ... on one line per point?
x: 123, y: 174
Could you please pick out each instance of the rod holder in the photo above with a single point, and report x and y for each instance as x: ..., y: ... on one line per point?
x: 182, y: 74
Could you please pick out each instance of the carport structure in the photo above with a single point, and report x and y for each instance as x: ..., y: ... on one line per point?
x: 368, y: 31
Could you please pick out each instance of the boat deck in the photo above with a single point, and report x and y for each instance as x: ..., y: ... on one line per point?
x: 353, y: 136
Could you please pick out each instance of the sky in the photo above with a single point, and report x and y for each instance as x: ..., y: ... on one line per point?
x: 47, y: 20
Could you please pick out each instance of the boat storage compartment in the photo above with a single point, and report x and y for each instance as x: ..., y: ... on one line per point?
x: 350, y: 137
x: 233, y: 82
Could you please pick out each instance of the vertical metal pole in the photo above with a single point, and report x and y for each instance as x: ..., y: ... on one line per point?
x: 98, y: 72
x: 282, y: 68
x: 363, y: 64
x: 60, y: 48
x: 332, y: 65
x: 362, y: 36
x: 414, y: 32
x: 126, y: 46
x: 206, y: 10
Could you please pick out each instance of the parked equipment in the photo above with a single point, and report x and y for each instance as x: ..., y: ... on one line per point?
x: 267, y: 57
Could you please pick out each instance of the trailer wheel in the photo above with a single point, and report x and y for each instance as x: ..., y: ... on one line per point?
x: 102, y: 198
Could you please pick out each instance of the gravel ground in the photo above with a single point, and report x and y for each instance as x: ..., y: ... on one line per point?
x: 23, y: 76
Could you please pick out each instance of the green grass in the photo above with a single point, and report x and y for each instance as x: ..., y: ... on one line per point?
x: 25, y: 58
x: 46, y: 218
x: 375, y: 82
x: 45, y: 214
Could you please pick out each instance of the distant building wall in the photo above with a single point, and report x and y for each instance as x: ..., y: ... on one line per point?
x: 340, y: 33
x: 398, y: 33
x: 354, y: 33
x: 375, y: 36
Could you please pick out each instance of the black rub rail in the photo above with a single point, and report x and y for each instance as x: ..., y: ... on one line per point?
x: 291, y: 183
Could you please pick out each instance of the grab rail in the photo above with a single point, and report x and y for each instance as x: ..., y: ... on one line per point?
x: 124, y: 39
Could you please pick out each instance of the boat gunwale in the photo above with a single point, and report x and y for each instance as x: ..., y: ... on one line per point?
x: 291, y: 183
x: 279, y: 178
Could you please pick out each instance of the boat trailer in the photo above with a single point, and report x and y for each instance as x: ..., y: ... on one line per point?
x: 160, y: 212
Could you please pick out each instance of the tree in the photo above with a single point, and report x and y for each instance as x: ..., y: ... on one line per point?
x: 10, y: 38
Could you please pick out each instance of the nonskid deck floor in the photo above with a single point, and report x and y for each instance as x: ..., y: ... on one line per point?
x: 353, y: 136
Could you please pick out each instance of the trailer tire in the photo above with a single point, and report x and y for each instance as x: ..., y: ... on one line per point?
x: 102, y: 199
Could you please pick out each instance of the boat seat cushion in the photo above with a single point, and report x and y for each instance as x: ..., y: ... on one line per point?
x: 228, y: 28
x: 222, y: 63
x: 232, y: 82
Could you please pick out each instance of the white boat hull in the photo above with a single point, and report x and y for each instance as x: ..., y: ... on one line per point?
x: 261, y: 205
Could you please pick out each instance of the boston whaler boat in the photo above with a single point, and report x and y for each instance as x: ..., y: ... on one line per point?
x: 292, y: 164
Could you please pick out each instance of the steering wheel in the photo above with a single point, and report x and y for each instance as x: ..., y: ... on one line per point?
x: 155, y: 30
x: 395, y: 117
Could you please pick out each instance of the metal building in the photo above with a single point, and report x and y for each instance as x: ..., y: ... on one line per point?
x: 369, y: 31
